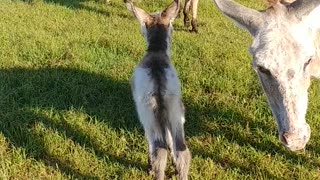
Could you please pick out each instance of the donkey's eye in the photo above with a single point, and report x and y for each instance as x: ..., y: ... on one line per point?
x: 306, y: 64
x: 264, y: 70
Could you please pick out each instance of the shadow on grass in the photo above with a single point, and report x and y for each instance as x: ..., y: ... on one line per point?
x: 80, y: 5
x: 110, y: 102
x: 62, y: 89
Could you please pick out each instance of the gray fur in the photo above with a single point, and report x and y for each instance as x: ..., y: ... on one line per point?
x: 183, y: 163
x: 159, y: 159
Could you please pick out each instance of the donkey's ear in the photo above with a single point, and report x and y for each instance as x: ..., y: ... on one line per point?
x: 245, y: 17
x: 171, y: 12
x: 142, y: 16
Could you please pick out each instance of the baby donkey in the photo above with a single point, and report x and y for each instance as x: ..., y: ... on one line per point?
x: 157, y: 94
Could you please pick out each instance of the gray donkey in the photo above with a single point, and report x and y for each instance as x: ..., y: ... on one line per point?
x: 157, y: 94
x: 286, y: 55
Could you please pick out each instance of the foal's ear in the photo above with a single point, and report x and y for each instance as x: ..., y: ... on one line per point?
x: 171, y: 12
x: 247, y: 18
x: 142, y: 16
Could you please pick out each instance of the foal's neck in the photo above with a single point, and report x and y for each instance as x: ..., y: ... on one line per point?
x: 158, y: 40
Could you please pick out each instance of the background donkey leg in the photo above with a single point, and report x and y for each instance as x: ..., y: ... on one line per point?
x: 156, y: 142
x: 181, y: 153
x: 186, y: 10
x: 194, y: 7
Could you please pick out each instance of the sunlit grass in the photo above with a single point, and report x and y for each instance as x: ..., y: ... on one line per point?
x: 66, y: 110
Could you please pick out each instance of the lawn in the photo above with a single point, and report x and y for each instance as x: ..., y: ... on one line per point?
x: 66, y: 110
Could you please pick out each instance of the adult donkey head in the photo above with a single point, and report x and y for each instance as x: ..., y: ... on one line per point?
x: 285, y: 57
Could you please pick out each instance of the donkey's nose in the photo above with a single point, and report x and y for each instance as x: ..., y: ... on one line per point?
x: 293, y: 142
x: 285, y: 138
x: 296, y: 140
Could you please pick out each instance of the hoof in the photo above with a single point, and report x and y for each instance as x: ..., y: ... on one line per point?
x: 194, y: 31
x: 186, y: 22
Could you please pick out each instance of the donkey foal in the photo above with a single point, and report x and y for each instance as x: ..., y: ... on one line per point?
x: 157, y: 95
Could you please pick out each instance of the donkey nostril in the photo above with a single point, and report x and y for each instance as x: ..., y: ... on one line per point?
x: 285, y: 137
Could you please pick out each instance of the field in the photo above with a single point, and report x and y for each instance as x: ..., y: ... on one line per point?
x: 66, y: 110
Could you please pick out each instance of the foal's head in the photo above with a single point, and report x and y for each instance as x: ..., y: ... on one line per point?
x: 284, y: 51
x: 156, y: 27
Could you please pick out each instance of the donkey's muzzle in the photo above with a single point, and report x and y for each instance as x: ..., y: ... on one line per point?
x: 297, y: 139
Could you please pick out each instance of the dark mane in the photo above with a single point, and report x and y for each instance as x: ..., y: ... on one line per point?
x: 157, y: 38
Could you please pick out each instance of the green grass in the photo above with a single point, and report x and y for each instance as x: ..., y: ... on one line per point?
x: 66, y: 110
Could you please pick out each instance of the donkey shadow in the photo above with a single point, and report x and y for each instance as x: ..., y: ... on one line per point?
x: 105, y: 8
x: 79, y: 4
x: 63, y: 89
x: 111, y: 103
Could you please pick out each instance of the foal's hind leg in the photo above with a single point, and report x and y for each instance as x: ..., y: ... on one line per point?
x: 156, y: 141
x: 157, y: 157
x: 181, y: 153
x: 182, y: 156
